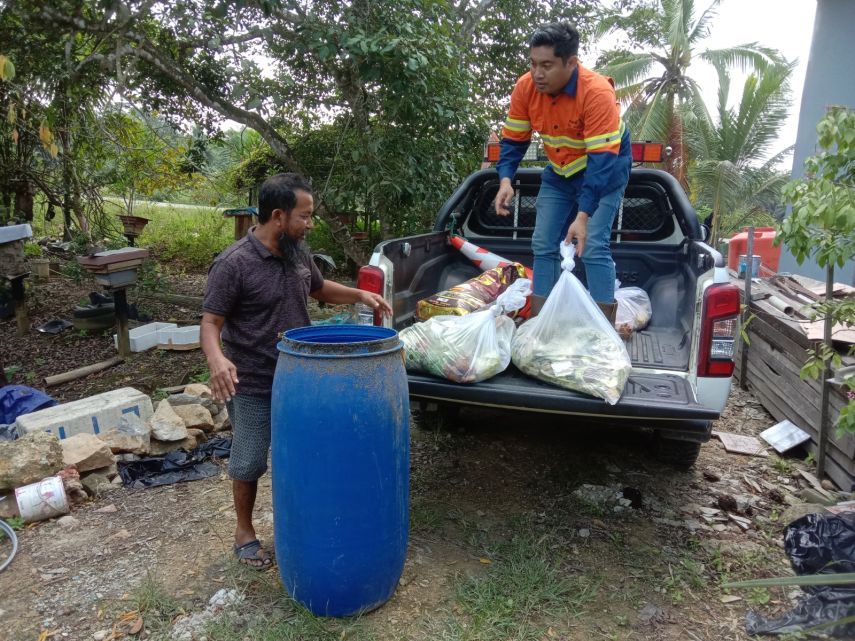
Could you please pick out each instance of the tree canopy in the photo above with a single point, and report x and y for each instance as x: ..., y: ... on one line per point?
x: 395, y: 100
x: 730, y: 172
x: 662, y: 39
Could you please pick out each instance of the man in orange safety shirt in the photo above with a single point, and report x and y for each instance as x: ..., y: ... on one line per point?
x: 575, y: 111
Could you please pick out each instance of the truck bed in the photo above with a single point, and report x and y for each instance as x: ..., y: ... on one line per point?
x: 664, y: 344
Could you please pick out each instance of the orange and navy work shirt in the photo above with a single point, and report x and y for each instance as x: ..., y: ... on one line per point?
x: 583, y: 134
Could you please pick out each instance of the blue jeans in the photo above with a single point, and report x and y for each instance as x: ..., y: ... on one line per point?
x: 556, y: 210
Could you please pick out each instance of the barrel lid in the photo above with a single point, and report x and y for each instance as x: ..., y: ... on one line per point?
x: 339, y: 341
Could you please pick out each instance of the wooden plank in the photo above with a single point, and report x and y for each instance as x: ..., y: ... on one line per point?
x: 781, y: 408
x: 780, y: 379
x: 843, y: 479
x: 80, y: 372
x: 781, y: 322
x: 805, y: 413
x: 790, y: 371
x: 741, y: 444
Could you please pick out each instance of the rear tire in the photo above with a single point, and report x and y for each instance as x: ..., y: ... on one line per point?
x: 442, y: 417
x: 680, y: 455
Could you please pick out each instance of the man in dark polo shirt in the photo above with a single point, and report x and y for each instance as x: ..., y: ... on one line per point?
x: 257, y: 288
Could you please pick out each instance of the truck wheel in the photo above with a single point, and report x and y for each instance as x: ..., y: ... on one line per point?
x: 436, y: 417
x: 678, y: 454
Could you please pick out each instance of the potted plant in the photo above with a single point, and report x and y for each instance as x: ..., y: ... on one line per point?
x: 40, y: 266
x: 132, y: 226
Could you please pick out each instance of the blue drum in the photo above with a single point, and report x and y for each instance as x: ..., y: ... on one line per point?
x: 340, y: 450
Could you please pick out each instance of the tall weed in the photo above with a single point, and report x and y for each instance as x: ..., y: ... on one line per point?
x: 192, y: 236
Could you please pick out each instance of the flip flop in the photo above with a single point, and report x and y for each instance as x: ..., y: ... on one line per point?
x: 252, y: 551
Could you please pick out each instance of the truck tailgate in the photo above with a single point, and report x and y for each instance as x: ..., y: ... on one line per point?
x: 661, y: 397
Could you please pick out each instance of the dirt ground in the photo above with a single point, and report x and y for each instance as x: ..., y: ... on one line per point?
x: 502, y: 543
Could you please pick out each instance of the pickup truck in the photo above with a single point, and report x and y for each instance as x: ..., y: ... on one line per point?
x: 682, y: 361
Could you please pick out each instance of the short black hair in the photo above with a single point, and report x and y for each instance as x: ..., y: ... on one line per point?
x: 561, y: 36
x: 280, y: 192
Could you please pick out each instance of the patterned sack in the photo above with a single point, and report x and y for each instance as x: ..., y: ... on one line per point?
x: 472, y: 295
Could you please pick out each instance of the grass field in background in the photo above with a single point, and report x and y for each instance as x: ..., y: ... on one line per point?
x: 190, y: 235
x: 187, y: 235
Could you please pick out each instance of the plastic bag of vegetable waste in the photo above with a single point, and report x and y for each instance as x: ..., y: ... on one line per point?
x: 472, y: 295
x: 633, y: 310
x: 470, y: 348
x: 570, y: 343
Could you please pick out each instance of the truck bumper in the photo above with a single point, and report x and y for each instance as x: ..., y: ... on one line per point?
x: 649, y: 400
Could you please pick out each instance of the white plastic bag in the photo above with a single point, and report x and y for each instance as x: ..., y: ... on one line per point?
x: 570, y: 343
x: 470, y: 348
x: 633, y: 309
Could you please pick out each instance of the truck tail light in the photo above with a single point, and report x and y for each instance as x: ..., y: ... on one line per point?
x: 370, y: 279
x: 719, y: 325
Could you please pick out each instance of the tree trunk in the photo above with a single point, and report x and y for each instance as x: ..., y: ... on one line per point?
x: 64, y: 137
x: 676, y: 163
x: 24, y: 200
x: 826, y: 374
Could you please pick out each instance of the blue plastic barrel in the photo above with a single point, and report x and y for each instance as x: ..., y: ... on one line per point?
x: 340, y: 448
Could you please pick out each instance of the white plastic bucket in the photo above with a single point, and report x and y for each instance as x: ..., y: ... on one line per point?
x: 42, y: 500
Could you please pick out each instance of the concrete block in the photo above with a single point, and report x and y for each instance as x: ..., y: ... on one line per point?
x: 10, y: 233
x: 92, y: 415
x: 145, y: 336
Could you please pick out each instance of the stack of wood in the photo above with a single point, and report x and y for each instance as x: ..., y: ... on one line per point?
x: 781, y: 332
x: 113, y: 261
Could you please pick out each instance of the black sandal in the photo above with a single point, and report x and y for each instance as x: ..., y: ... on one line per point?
x: 253, y: 555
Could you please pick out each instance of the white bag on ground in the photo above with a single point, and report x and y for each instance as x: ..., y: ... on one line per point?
x: 571, y: 343
x: 470, y: 348
x: 633, y: 309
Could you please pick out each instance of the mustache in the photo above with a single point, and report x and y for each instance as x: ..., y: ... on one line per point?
x: 293, y: 251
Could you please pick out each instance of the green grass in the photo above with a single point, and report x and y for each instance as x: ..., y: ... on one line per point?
x: 782, y: 465
x: 292, y: 623
x: 522, y: 594
x: 426, y: 516
x: 14, y: 522
x: 269, y: 614
x: 155, y: 604
x: 200, y: 374
x: 190, y: 235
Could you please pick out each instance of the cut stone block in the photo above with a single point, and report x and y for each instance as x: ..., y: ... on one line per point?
x: 166, y: 425
x: 86, y: 452
x: 28, y: 459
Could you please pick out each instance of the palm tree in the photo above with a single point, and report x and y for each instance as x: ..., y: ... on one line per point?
x: 727, y: 172
x: 663, y: 98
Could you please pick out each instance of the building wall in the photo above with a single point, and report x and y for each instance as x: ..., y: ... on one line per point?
x: 830, y: 80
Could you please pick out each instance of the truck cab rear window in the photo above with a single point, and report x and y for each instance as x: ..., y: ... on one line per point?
x: 646, y: 214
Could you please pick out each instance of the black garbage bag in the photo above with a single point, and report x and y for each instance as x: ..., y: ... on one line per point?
x: 817, y: 544
x: 175, y: 467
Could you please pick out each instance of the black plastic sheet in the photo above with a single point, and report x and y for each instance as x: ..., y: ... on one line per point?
x: 175, y: 467
x: 817, y: 544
